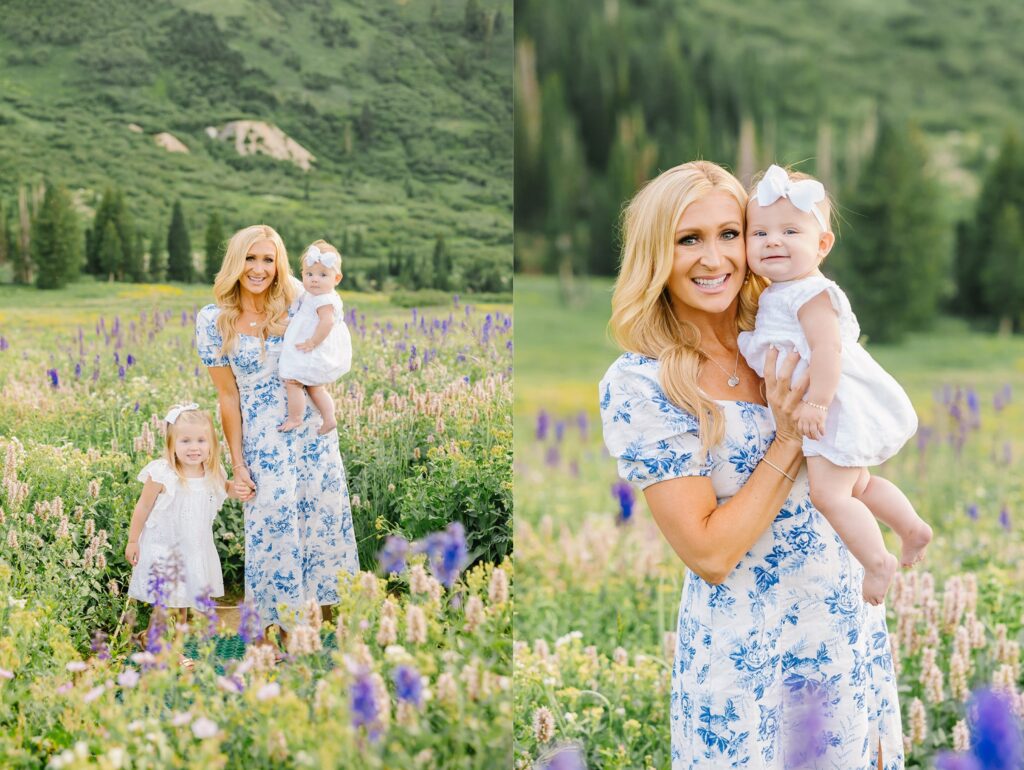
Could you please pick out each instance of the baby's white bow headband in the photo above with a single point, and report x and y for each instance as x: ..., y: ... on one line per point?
x: 326, y: 258
x: 177, y: 409
x: 804, y: 194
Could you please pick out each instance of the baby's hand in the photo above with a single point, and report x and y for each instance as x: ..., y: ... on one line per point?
x: 131, y: 553
x: 810, y: 421
x: 305, y: 347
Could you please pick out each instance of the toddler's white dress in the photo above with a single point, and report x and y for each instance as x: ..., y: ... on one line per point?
x: 182, y: 521
x: 328, y: 360
x: 871, y: 417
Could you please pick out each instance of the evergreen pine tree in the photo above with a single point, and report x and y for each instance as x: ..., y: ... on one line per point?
x: 157, y: 257
x: 1003, y: 184
x: 135, y: 270
x: 1002, y: 275
x: 111, y: 252
x: 56, y: 240
x: 893, y: 261
x: 442, y: 265
x: 104, y: 213
x: 214, y: 246
x: 179, y: 248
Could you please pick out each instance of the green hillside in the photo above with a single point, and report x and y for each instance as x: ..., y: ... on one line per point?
x: 406, y: 106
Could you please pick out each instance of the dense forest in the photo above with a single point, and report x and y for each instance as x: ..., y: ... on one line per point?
x: 907, y: 111
x: 404, y: 107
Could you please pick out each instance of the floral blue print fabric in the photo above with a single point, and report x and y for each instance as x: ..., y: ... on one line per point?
x: 298, y: 528
x: 786, y: 639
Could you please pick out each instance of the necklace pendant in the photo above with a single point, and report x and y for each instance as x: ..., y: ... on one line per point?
x: 734, y: 381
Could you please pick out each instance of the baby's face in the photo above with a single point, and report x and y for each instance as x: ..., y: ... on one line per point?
x: 783, y: 242
x: 319, y: 279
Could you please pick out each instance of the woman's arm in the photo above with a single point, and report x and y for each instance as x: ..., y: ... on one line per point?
x: 323, y: 328
x: 820, y: 323
x: 711, y: 538
x: 150, y: 490
x: 231, y: 420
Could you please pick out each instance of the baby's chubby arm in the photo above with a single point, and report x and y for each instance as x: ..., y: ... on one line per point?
x: 820, y: 324
x: 150, y: 491
x: 323, y: 328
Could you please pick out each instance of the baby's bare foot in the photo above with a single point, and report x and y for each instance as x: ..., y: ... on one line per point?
x: 327, y: 427
x: 288, y: 425
x: 915, y: 544
x: 877, y: 579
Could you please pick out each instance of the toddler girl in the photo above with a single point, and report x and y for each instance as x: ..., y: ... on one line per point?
x: 317, y: 347
x: 854, y: 414
x: 173, y: 520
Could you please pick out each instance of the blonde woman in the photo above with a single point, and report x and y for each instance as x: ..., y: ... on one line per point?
x: 779, y: 662
x: 298, y: 523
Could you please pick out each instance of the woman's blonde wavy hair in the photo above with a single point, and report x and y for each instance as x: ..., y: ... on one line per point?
x: 227, y: 290
x: 642, y: 319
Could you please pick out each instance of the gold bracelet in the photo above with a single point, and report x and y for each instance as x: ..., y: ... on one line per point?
x: 816, y: 406
x: 776, y: 467
x: 236, y: 465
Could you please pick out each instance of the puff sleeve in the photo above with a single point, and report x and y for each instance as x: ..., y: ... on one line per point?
x: 651, y: 438
x: 208, y: 337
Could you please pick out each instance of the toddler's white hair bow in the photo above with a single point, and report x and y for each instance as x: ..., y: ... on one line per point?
x: 177, y: 409
x: 804, y: 194
x: 326, y: 258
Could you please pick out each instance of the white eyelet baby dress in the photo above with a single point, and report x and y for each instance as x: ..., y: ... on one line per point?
x: 182, y: 521
x: 871, y: 417
x: 328, y: 360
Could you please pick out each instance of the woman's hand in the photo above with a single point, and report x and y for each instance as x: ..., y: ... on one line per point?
x: 783, y: 398
x: 244, y: 486
x: 131, y: 553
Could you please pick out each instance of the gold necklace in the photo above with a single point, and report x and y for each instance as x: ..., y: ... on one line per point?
x: 734, y: 378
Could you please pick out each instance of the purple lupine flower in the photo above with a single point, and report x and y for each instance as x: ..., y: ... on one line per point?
x: 995, y: 736
x: 54, y: 379
x: 564, y: 758
x: 135, y: 409
x: 446, y: 552
x: 3, y: 343
x: 924, y: 435
x: 947, y: 760
x: 455, y: 300
x: 408, y: 685
x: 1004, y: 518
x: 207, y: 608
x: 117, y: 357
x: 623, y: 491
x: 120, y: 372
x: 583, y: 424
x: 95, y: 374
x: 78, y: 370
x: 130, y: 360
x: 559, y: 430
x: 99, y: 645
x: 972, y: 511
x: 250, y: 628
x: 392, y: 556
x: 972, y: 403
x: 363, y: 704
x: 552, y: 457
x: 543, y: 423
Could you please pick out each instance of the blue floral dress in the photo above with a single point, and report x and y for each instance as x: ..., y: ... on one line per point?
x: 783, y: 664
x: 298, y: 527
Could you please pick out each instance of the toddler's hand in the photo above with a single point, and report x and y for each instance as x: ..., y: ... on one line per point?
x: 810, y: 421
x: 305, y: 347
x: 131, y: 553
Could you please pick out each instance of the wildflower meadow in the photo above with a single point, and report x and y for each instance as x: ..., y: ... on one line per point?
x: 414, y: 670
x: 598, y: 588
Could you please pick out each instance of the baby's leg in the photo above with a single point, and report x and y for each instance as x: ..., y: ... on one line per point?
x: 891, y: 507
x: 832, y: 490
x: 296, y: 405
x: 322, y: 400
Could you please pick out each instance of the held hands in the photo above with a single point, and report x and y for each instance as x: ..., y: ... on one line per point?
x: 131, y: 553
x: 243, y: 487
x: 306, y: 347
x: 785, y: 399
x: 810, y: 420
